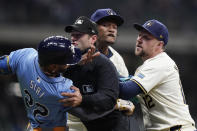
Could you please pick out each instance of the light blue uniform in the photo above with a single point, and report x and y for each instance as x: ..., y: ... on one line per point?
x: 40, y: 93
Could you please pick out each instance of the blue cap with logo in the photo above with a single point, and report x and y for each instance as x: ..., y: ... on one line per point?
x: 107, y: 14
x: 156, y: 28
x: 58, y: 50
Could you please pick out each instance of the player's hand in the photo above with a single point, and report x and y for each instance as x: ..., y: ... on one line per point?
x: 89, y: 56
x: 125, y: 106
x: 74, y: 99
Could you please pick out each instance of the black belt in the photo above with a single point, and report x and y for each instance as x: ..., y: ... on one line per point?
x: 174, y: 128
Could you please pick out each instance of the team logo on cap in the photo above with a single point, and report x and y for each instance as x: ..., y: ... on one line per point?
x: 110, y: 12
x: 150, y: 23
x: 79, y: 21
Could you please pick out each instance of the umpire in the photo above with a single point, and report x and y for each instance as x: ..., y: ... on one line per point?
x: 97, y: 81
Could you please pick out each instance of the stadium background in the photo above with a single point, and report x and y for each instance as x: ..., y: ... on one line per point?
x: 23, y: 23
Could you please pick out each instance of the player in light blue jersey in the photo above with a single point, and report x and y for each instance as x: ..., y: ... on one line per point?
x: 39, y: 74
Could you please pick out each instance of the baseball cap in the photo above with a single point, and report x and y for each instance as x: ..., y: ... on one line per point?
x: 156, y: 28
x: 84, y: 25
x: 58, y: 50
x: 106, y: 15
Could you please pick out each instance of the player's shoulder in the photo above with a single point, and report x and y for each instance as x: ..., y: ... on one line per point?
x: 114, y: 51
x: 115, y: 54
x: 161, y: 62
x: 101, y: 62
x: 101, y: 59
x: 26, y: 51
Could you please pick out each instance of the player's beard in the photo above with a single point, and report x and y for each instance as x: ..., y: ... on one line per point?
x: 139, y: 52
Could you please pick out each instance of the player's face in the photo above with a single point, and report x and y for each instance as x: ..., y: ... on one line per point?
x: 147, y: 46
x: 54, y: 70
x: 62, y: 68
x: 81, y: 40
x: 107, y: 32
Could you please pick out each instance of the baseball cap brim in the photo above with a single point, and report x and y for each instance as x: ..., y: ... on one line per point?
x: 71, y: 28
x: 115, y: 18
x: 141, y: 28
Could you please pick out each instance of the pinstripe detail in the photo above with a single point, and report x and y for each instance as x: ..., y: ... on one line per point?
x: 140, y: 86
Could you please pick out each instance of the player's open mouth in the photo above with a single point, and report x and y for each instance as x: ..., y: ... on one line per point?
x: 138, y: 46
x: 111, y: 35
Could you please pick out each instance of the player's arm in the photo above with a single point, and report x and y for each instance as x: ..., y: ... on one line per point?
x: 129, y: 89
x: 4, y: 65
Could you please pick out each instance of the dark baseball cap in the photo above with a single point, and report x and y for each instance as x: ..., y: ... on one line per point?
x: 106, y: 15
x: 84, y: 25
x: 156, y: 28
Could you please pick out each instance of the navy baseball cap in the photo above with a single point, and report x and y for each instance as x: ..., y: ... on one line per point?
x: 106, y: 15
x: 58, y: 50
x: 156, y: 28
x: 84, y: 25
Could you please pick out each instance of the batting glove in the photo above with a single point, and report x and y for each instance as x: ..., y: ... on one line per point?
x: 126, y: 106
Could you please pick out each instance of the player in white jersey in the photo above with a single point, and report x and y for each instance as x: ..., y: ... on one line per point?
x: 157, y: 82
x: 118, y: 62
x: 108, y: 22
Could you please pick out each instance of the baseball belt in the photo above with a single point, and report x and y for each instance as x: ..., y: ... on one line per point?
x: 174, y: 128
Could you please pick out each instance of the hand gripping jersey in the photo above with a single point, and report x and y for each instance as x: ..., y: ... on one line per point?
x: 40, y: 93
x: 163, y: 102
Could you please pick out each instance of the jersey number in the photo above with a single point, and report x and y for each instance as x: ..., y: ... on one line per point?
x: 40, y: 109
x: 148, y: 101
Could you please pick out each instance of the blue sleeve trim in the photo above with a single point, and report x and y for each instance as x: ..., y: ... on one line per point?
x: 4, y: 65
x: 129, y: 89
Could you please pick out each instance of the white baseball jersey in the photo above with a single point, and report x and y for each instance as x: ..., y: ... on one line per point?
x: 118, y: 62
x: 163, y: 102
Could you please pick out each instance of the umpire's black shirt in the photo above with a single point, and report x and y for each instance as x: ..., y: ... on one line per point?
x: 98, y: 84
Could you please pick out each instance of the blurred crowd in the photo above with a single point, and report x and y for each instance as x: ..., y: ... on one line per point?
x: 177, y: 14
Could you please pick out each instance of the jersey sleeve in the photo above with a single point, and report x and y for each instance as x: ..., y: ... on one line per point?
x: 8, y: 63
x: 150, y: 75
x: 4, y: 66
x: 15, y: 58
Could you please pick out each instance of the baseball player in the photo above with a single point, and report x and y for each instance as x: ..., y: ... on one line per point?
x: 108, y: 22
x: 157, y: 82
x: 39, y: 74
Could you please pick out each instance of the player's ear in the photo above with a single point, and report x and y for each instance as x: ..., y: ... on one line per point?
x: 160, y: 44
x: 94, y: 39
